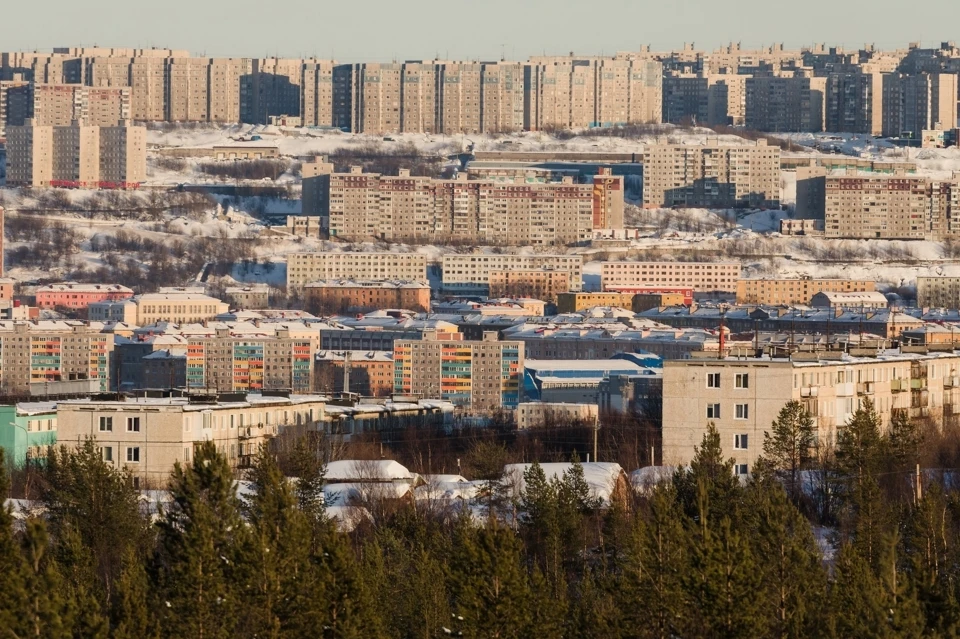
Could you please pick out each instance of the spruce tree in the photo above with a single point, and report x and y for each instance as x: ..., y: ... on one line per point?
x: 490, y: 590
x: 200, y: 540
x: 708, y: 469
x: 132, y: 618
x: 857, y: 599
x: 13, y: 594
x: 48, y: 612
x: 788, y: 445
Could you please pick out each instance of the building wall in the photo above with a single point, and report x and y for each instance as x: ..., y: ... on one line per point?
x: 711, y: 176
x: 539, y: 414
x: 34, y: 354
x: 701, y: 276
x: 574, y: 302
x: 303, y: 268
x: 793, y: 291
x: 177, y: 309
x: 938, y: 292
x: 371, y: 373
x: 234, y: 363
x: 472, y: 271
x: 540, y: 284
x: 334, y: 297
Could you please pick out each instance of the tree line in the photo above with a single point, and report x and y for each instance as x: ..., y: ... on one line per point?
x: 825, y: 539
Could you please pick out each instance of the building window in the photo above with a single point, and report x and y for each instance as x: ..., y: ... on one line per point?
x: 713, y: 380
x: 740, y: 469
x: 186, y: 454
x: 106, y: 453
x: 742, y: 411
x: 133, y: 424
x: 133, y: 454
x: 740, y: 441
x: 741, y: 380
x: 106, y: 424
x: 713, y: 411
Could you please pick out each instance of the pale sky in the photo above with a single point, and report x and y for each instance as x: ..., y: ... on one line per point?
x: 383, y: 30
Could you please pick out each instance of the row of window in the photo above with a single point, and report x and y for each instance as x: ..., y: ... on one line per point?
x: 132, y: 454
x: 740, y: 411
x: 106, y: 424
x: 740, y: 380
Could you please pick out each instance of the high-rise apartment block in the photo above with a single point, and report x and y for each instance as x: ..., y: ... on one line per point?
x: 898, y: 206
x: 61, y: 104
x: 711, y: 176
x: 938, y: 291
x: 914, y: 103
x: 48, y: 352
x: 785, y: 104
x: 228, y: 362
x: 480, y: 376
x: 76, y: 155
x: 854, y: 102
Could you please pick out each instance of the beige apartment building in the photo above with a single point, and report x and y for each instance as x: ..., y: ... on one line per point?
x: 938, y: 291
x: 36, y: 356
x: 916, y: 103
x: 316, y: 97
x: 794, y: 291
x: 742, y: 396
x: 541, y: 414
x: 61, y: 104
x: 711, y: 176
x: 702, y: 277
x: 148, y: 436
x: 77, y: 156
x: 785, y: 104
x: 480, y: 376
x: 362, y: 205
x: 895, y: 206
x: 303, y: 268
x: 854, y: 102
x: 541, y: 284
x: 472, y: 272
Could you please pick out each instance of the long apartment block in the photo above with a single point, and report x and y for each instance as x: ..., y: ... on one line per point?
x: 360, y: 206
x: 702, y: 277
x: 797, y: 290
x: 303, y: 268
x: 471, y: 273
x: 891, y: 207
x: 742, y: 396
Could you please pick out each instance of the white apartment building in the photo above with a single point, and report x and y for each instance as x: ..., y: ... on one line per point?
x: 303, y: 268
x: 147, y: 436
x: 700, y: 276
x: 742, y: 396
x: 468, y: 273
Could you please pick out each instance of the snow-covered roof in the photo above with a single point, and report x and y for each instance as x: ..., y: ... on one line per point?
x: 643, y: 479
x: 350, y: 493
x: 366, y: 470
x: 601, y: 477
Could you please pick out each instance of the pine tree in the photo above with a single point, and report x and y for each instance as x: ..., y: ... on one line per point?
x: 905, y: 439
x: 906, y: 615
x: 857, y: 599
x: 200, y: 541
x: 794, y: 583
x: 309, y: 471
x: 597, y: 611
x: 80, y: 585
x: 788, y: 445
x: 348, y: 612
x: 131, y: 602
x: 540, y: 519
x: 490, y: 590
x: 708, y: 469
x: 13, y: 595
x: 652, y: 594
x: 47, y: 613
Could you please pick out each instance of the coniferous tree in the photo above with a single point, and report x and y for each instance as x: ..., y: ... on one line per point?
x: 708, y: 469
x: 788, y: 445
x: 13, y: 595
x: 48, y: 612
x: 200, y: 540
x: 597, y: 611
x: 80, y: 586
x: 131, y: 602
x: 856, y: 598
x: 653, y: 598
x: 490, y: 590
x: 905, y: 439
x: 347, y: 610
x: 906, y: 614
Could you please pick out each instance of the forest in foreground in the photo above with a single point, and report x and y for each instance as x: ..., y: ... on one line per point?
x: 848, y: 541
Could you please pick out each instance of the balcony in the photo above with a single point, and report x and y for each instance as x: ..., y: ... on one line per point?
x: 865, y: 388
x: 951, y: 382
x: 899, y: 385
x: 845, y: 390
x: 809, y: 391
x: 917, y: 384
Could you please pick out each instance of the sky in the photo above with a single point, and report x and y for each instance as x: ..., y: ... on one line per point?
x: 385, y: 30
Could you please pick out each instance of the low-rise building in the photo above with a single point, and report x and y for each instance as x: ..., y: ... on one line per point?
x: 578, y: 381
x: 303, y: 268
x: 541, y: 284
x: 793, y: 291
x: 644, y: 301
x: 702, y: 277
x: 548, y: 414
x: 177, y: 308
x: 862, y: 301
x: 470, y: 273
x: 938, y: 291
x: 147, y: 436
x: 27, y: 431
x: 330, y: 297
x: 74, y: 296
x: 248, y: 296
x: 575, y: 302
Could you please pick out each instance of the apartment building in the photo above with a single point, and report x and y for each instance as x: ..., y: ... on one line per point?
x: 76, y: 156
x: 404, y: 207
x: 795, y: 291
x: 743, y: 396
x: 916, y: 103
x: 61, y: 104
x: 541, y: 284
x: 686, y: 98
x: 36, y: 356
x: 785, y: 104
x: 231, y: 362
x: 471, y: 273
x: 575, y: 302
x: 540, y: 414
x: 938, y: 291
x: 854, y: 102
x: 73, y: 295
x: 15, y: 103
x: 711, y: 176
x: 702, y: 277
x: 148, y: 436
x: 316, y: 93
x: 248, y: 296
x: 895, y: 206
x: 303, y: 268
x: 479, y: 376
x: 370, y: 372
x: 330, y: 297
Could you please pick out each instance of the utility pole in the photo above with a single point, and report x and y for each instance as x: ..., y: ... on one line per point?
x: 596, y: 430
